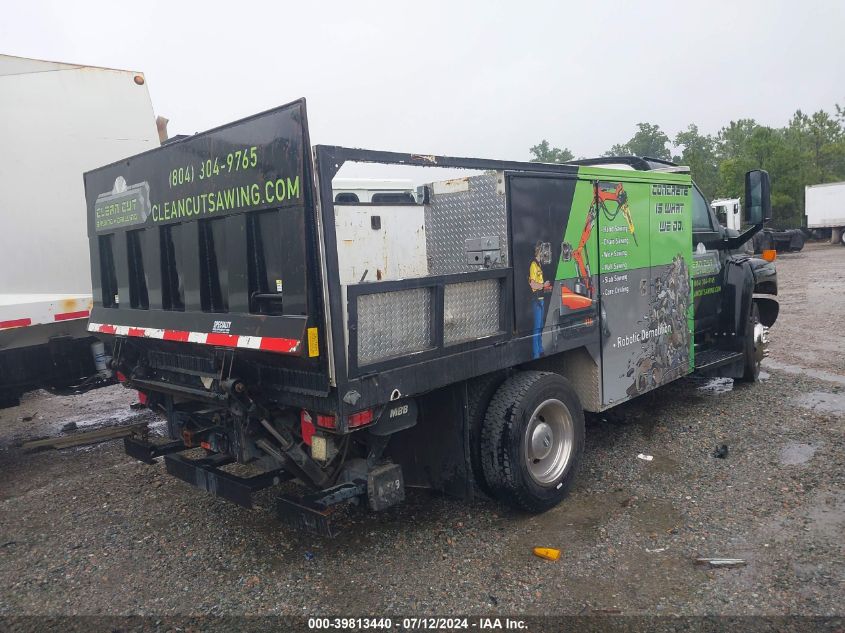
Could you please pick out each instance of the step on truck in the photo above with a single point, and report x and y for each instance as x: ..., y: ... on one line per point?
x: 451, y: 339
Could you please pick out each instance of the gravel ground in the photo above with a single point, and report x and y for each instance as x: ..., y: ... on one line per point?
x: 91, y: 531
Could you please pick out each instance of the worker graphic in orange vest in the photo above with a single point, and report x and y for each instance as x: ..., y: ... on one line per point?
x: 538, y: 289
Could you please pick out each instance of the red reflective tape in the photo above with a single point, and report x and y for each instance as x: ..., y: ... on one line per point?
x: 280, y: 345
x: 15, y: 323
x: 67, y: 316
x: 229, y: 340
x: 285, y: 345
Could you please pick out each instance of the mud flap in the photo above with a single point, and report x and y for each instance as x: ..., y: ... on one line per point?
x: 736, y: 303
x: 769, y: 309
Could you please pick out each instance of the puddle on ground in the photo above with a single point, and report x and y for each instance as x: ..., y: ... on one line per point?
x: 716, y: 386
x: 813, y: 373
x: 796, y: 453
x: 822, y: 401
x: 582, y: 518
x: 828, y: 515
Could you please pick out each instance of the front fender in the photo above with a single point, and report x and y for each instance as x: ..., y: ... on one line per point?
x: 765, y: 276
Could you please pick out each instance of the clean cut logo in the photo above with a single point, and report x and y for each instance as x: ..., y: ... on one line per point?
x: 221, y: 327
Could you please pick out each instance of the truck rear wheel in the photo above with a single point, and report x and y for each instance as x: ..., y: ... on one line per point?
x: 479, y: 393
x: 532, y: 440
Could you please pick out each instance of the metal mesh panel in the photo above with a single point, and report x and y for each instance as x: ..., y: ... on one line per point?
x: 470, y: 310
x: 391, y: 324
x: 452, y: 218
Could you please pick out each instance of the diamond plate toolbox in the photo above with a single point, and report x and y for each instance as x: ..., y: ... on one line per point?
x: 470, y: 310
x: 453, y: 217
x: 393, y: 324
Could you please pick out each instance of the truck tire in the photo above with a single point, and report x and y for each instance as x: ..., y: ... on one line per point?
x: 753, y: 355
x: 479, y: 393
x: 532, y: 440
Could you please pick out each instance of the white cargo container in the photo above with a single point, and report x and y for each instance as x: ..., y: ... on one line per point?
x: 825, y: 208
x: 57, y: 120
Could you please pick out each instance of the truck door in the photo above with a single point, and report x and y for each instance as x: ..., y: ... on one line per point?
x: 707, y: 264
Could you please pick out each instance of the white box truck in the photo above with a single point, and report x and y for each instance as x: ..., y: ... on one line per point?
x: 825, y: 208
x: 57, y: 120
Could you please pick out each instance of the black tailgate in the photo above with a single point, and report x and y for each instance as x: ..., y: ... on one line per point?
x: 208, y: 240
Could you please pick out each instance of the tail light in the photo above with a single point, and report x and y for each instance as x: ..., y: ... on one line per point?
x: 326, y: 421
x: 769, y: 255
x: 306, y: 426
x: 360, y: 419
x: 354, y: 421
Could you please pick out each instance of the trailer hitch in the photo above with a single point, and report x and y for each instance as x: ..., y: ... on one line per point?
x: 145, y: 451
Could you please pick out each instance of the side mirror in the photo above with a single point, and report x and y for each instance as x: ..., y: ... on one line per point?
x: 758, y: 201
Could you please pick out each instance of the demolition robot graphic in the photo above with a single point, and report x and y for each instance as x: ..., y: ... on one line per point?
x: 579, y: 295
x: 665, y: 355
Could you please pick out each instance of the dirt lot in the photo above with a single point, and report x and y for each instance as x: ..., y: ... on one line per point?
x: 91, y: 531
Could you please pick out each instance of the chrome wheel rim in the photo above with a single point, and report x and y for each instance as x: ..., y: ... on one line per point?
x: 548, y: 442
x: 761, y: 342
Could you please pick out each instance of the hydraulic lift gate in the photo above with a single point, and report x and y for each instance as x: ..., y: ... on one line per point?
x: 209, y: 241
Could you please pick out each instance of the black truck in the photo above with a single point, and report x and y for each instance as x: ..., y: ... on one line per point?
x: 449, y: 339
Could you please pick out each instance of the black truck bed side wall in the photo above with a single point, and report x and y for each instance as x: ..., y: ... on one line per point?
x: 363, y: 387
x: 539, y: 201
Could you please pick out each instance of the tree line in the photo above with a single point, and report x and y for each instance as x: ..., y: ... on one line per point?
x: 808, y: 150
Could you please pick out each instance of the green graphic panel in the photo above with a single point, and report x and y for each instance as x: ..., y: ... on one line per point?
x: 671, y: 250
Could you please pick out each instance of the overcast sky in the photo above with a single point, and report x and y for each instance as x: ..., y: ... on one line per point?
x: 485, y: 79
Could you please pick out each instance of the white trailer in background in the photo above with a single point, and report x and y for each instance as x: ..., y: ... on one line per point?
x: 57, y: 120
x: 825, y: 209
x: 727, y: 211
